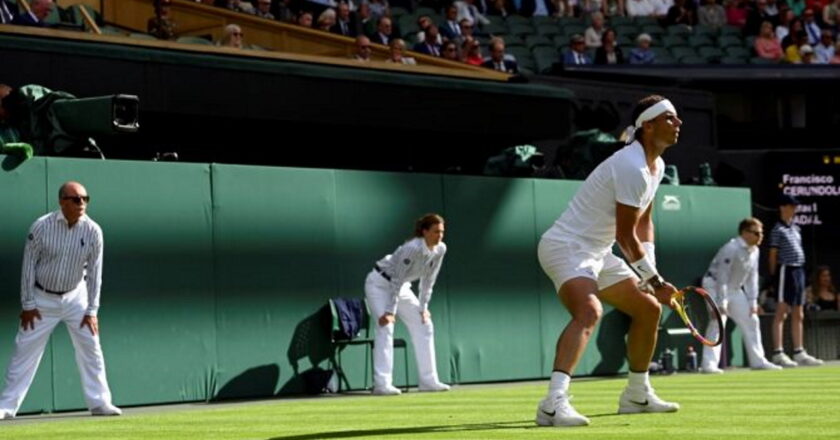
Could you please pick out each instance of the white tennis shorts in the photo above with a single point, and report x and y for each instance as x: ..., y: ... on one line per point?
x: 565, y: 259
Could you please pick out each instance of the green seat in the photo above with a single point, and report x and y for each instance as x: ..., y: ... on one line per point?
x: 671, y: 41
x: 546, y: 61
x: 194, y: 40
x: 729, y: 41
x: 519, y: 52
x: 733, y: 60
x: 521, y: 29
x: 496, y: 19
x: 738, y: 51
x: 665, y: 59
x: 533, y: 41
x: 660, y: 52
x: 679, y: 30
x: 700, y: 40
x: 749, y: 41
x: 619, y: 20
x: 629, y: 31
x: 548, y: 30
x: 571, y: 29
x: 730, y: 30
x: 495, y: 29
x: 654, y: 30
x: 693, y: 60
x: 527, y: 63
x: 423, y: 10
x: 567, y: 21
x: 410, y: 31
x: 539, y: 20
x: 513, y: 40
x: 643, y: 21
x: 711, y: 54
x: 339, y: 341
x: 406, y: 21
x: 682, y: 52
x: 623, y: 40
x: 517, y: 19
x: 561, y: 41
x: 397, y: 12
x: 702, y: 29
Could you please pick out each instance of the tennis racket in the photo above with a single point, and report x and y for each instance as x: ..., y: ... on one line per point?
x: 700, y: 314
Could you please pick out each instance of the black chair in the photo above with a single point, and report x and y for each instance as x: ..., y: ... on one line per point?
x: 339, y: 340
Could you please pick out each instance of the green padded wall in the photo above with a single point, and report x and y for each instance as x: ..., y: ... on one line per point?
x: 215, y: 277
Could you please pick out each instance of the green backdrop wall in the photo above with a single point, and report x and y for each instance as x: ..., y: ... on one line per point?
x: 215, y: 276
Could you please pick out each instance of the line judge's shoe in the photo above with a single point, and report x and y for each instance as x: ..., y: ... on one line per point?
x: 643, y: 400
x: 388, y: 390
x: 711, y: 370
x: 6, y: 415
x: 783, y: 360
x: 804, y: 359
x: 555, y: 410
x: 106, y: 410
x: 767, y: 365
x: 437, y: 386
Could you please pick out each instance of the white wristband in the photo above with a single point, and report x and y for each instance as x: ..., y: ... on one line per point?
x: 649, y: 251
x: 645, y: 268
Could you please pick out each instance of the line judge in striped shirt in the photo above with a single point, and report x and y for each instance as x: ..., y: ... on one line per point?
x: 62, y: 274
x: 388, y: 294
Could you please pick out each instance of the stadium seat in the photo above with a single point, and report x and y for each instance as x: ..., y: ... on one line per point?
x: 730, y: 30
x: 749, y: 41
x: 517, y: 19
x: 397, y: 12
x: 654, y: 30
x: 561, y: 41
x: 702, y: 29
x: 194, y: 40
x: 630, y: 31
x: 494, y: 29
x: 665, y: 60
x: 496, y: 19
x: 566, y: 21
x: 619, y: 20
x: 545, y: 58
x: 623, y: 40
x: 659, y: 51
x: 539, y: 20
x: 527, y: 63
x: 671, y: 41
x: 700, y: 41
x: 571, y: 29
x: 339, y: 339
x: 644, y: 21
x: 513, y: 40
x: 679, y: 30
x: 711, y: 54
x: 518, y: 52
x: 729, y: 41
x: 423, y: 10
x: 521, y: 29
x: 692, y: 60
x: 548, y: 30
x: 410, y: 32
x: 738, y: 51
x: 733, y: 60
x: 682, y: 52
x: 533, y: 41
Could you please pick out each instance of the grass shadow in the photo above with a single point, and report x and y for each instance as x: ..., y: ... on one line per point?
x: 390, y: 433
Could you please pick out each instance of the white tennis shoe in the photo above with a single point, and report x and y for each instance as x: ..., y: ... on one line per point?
x: 388, y: 390
x: 555, y: 410
x: 783, y: 360
x: 804, y: 359
x: 643, y: 400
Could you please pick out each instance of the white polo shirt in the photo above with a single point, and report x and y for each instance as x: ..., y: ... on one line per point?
x: 411, y: 262
x: 735, y: 268
x: 625, y: 178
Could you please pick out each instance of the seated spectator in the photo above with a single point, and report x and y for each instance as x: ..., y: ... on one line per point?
x: 430, y: 46
x: 162, y: 26
x: 577, y: 54
x: 661, y: 9
x: 772, y: 9
x: 614, y: 7
x: 642, y: 53
x: 766, y: 45
x: 831, y: 13
x: 588, y: 7
x: 379, y: 8
x: 304, y: 19
x: 809, y: 23
x: 471, y: 49
x: 609, y: 53
x: 756, y: 16
x: 467, y: 9
x: 8, y: 11
x: 679, y: 14
x: 344, y: 24
x: 363, y: 49
x: 467, y: 29
x: 797, y: 6
x: 263, y: 9
x: 367, y: 23
x: 806, y: 54
x: 384, y: 32
x: 736, y: 13
x: 450, y: 28
x: 594, y: 31
x: 795, y: 29
x: 41, y: 9
x: 639, y: 8
x: 500, y: 8
x: 824, y: 51
x: 822, y: 292
x: 423, y: 22
x: 240, y: 6
x: 326, y: 20
x: 449, y: 51
x: 232, y: 36
x: 711, y: 14
x: 396, y: 55
x: 497, y: 59
x: 282, y: 11
x: 836, y: 58
x: 786, y: 18
x: 792, y: 54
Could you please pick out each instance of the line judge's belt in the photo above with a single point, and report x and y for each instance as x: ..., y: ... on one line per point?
x: 54, y: 292
x: 381, y: 272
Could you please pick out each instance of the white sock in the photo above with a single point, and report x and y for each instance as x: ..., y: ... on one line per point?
x: 638, y: 380
x: 559, y: 383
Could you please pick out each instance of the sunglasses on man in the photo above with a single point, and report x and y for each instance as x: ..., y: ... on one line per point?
x: 77, y: 199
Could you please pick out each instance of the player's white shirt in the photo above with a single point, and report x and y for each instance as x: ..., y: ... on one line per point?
x: 625, y: 178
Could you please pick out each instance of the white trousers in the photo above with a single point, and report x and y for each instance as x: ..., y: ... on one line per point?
x: 377, y: 292
x: 30, y: 344
x: 736, y: 307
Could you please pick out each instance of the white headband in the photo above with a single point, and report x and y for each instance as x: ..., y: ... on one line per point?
x: 654, y: 111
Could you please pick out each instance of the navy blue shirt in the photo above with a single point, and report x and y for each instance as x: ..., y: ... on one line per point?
x: 788, y: 240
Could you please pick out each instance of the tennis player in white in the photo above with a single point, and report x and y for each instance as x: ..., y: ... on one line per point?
x: 614, y: 204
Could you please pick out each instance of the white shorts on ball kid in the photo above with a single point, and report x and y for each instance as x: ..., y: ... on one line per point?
x: 565, y: 259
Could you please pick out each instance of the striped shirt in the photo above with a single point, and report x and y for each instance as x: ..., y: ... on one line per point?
x: 411, y: 262
x: 59, y: 257
x: 788, y: 239
x: 735, y: 269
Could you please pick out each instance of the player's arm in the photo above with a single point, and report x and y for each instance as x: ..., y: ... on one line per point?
x: 629, y: 235
x: 772, y: 260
